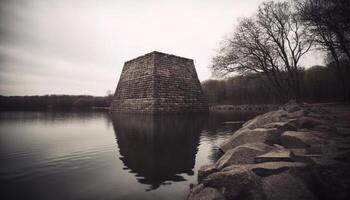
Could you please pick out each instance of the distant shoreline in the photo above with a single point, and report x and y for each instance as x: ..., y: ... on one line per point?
x: 54, y: 102
x: 98, y: 109
x: 256, y: 108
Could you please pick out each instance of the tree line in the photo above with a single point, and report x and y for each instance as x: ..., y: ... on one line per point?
x: 54, y: 102
x: 318, y: 84
x: 266, y: 50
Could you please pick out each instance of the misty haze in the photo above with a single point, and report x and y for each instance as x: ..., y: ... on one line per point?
x: 175, y: 99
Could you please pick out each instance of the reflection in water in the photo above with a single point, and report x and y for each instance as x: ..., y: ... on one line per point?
x: 74, y: 155
x: 158, y: 149
x: 51, y: 117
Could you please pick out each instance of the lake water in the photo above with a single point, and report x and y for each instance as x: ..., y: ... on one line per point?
x: 92, y: 155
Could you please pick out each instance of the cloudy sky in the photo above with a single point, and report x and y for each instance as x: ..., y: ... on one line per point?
x: 79, y: 46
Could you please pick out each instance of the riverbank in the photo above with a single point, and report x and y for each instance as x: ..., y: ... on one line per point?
x: 295, y: 152
x: 259, y: 109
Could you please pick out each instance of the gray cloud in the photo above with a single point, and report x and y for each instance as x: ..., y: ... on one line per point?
x: 79, y: 46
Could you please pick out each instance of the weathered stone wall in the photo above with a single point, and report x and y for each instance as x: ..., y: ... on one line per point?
x: 159, y: 83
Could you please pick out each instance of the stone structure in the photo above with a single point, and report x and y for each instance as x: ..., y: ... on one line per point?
x: 158, y: 83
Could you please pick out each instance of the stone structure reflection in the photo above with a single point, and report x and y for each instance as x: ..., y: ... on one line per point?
x: 158, y: 149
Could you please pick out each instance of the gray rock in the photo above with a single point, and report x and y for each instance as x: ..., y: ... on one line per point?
x: 261, y: 120
x: 206, y: 170
x: 286, y: 186
x: 294, y: 139
x: 233, y: 122
x: 250, y: 122
x: 309, y: 122
x: 279, y: 147
x: 238, y: 182
x: 304, y: 130
x: 200, y: 192
x: 304, y: 155
x: 293, y: 108
x: 270, y: 168
x: 282, y: 126
x: 243, y: 154
x: 316, y: 155
x: 275, y: 156
x: 296, y: 114
x: 258, y: 135
x: 297, y: 152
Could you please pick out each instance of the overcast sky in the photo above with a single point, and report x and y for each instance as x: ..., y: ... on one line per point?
x: 79, y: 46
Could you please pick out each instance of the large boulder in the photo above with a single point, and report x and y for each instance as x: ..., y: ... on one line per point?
x: 305, y: 155
x: 243, y: 154
x: 258, y: 135
x: 205, y: 171
x: 282, y: 126
x: 275, y: 156
x: 296, y: 114
x: 294, y: 139
x: 286, y: 186
x: 270, y: 168
x: 238, y: 182
x: 261, y: 120
x: 309, y: 122
x: 315, y: 152
x: 200, y: 192
x: 293, y: 108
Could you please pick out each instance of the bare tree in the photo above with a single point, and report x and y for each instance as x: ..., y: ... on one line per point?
x: 271, y: 42
x: 328, y: 17
x: 329, y: 24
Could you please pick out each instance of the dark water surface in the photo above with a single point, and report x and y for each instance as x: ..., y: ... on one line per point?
x: 92, y: 155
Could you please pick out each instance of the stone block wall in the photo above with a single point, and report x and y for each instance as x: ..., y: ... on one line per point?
x: 159, y: 83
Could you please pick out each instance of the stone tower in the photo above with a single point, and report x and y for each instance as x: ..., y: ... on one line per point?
x: 158, y: 83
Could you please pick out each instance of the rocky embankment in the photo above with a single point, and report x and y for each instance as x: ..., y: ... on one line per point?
x: 295, y: 152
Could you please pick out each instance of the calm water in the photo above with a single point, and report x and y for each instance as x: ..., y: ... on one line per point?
x: 92, y: 155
